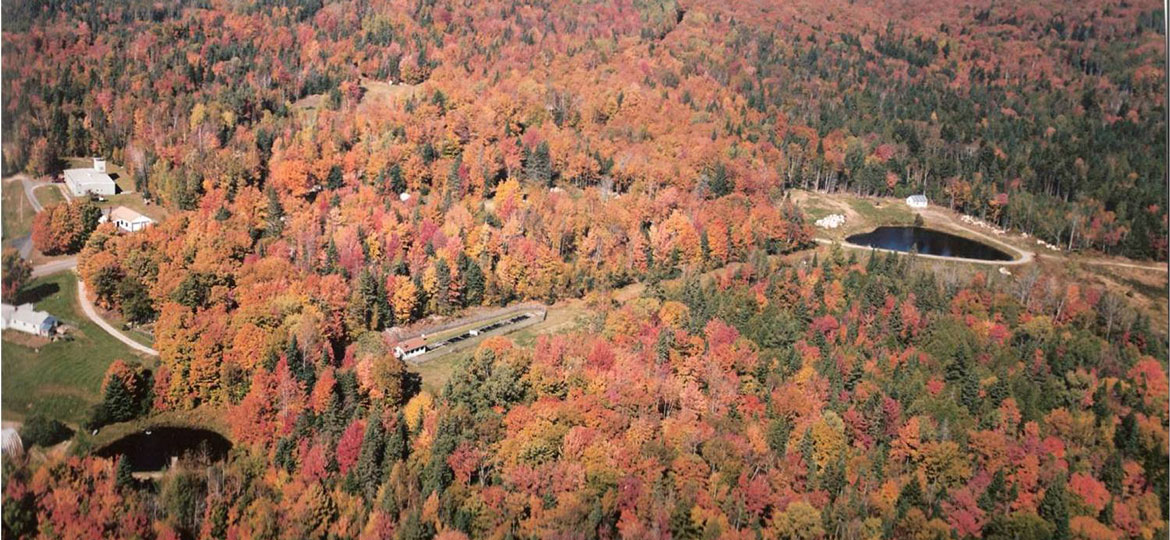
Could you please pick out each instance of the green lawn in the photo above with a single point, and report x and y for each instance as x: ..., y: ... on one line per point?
x: 435, y: 372
x: 815, y: 212
x: 62, y: 379
x: 133, y: 332
x: 49, y: 195
x: 17, y: 211
x: 134, y: 202
x: 887, y: 214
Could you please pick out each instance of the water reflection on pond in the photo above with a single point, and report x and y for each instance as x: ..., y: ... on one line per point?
x: 929, y: 242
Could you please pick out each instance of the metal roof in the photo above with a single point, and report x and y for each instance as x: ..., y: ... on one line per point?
x: 121, y: 213
x: 26, y: 314
x: 88, y: 177
x: 412, y: 344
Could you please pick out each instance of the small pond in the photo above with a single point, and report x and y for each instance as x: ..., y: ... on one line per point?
x: 152, y: 450
x: 928, y: 242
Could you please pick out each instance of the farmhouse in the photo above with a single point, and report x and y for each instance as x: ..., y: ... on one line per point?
x: 410, y: 348
x: 127, y: 219
x: 95, y: 180
x: 916, y: 201
x: 26, y: 319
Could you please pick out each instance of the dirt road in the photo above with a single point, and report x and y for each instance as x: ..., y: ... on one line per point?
x: 87, y: 306
x: 91, y: 312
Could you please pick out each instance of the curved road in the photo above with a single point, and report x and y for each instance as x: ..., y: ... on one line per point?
x: 70, y: 263
x: 24, y: 243
x: 92, y: 313
x: 29, y: 185
x: 87, y: 307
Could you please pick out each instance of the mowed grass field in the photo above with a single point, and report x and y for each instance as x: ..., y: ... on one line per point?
x: 61, y: 379
x: 17, y: 211
x: 134, y: 202
x: 49, y: 195
x: 885, y: 212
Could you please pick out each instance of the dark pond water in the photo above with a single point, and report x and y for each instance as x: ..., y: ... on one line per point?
x: 153, y: 452
x: 929, y: 242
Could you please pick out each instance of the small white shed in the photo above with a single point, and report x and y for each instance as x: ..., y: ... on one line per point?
x: 410, y: 348
x: 10, y: 443
x: 126, y: 219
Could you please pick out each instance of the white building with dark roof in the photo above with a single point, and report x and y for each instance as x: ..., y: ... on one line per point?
x: 27, y: 319
x: 84, y: 181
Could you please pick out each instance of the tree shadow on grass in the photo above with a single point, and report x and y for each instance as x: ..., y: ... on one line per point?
x: 32, y: 295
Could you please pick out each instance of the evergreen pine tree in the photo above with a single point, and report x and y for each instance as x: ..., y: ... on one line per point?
x: 910, y: 497
x: 994, y: 493
x: 537, y: 165
x: 122, y: 473
x: 1054, y: 507
x: 335, y: 180
x: 368, y: 470
x: 473, y: 280
x: 119, y: 403
x: 298, y: 364
x: 397, y: 442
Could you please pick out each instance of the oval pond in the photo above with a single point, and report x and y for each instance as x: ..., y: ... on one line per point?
x: 153, y: 452
x: 928, y: 242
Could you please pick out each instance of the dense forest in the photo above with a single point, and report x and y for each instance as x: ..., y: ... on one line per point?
x: 334, y: 170
x: 860, y: 398
x: 1049, y: 118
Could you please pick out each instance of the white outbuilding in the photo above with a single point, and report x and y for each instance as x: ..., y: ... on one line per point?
x: 410, y: 348
x: 27, y: 319
x: 916, y: 201
x: 10, y: 443
x: 126, y: 219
